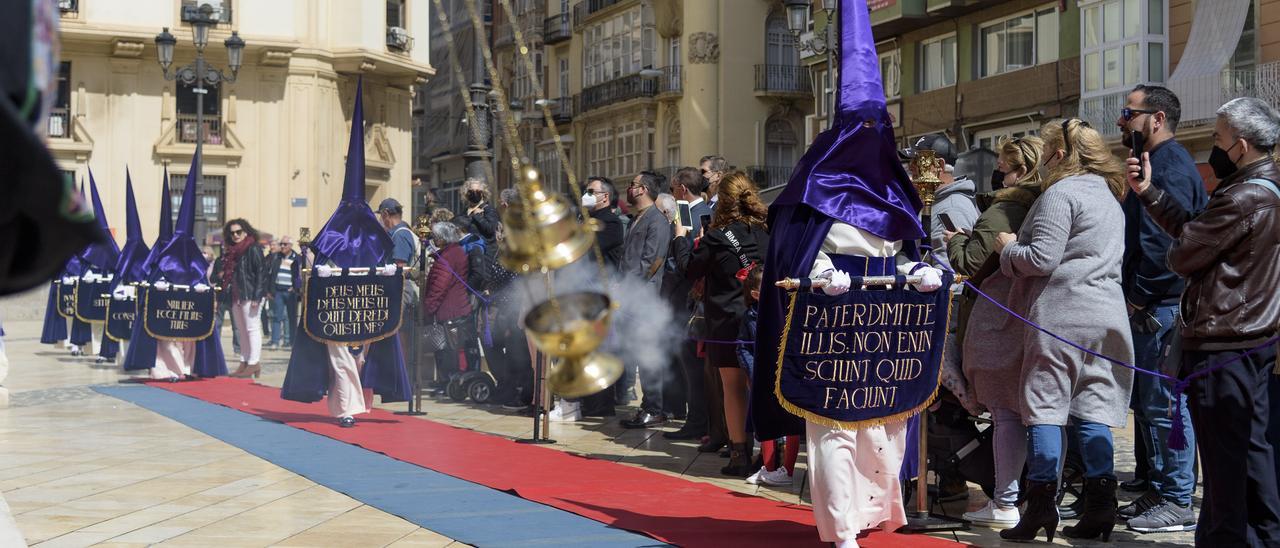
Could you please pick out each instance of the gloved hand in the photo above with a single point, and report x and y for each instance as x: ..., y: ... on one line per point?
x: 161, y: 285
x: 201, y: 288
x: 387, y: 270
x: 68, y: 280
x: 837, y: 282
x: 120, y: 293
x: 131, y: 291
x: 930, y: 279
x: 324, y: 271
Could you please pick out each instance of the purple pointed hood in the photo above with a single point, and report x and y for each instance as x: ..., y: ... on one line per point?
x: 353, y: 236
x: 100, y: 256
x: 179, y: 260
x: 133, y: 256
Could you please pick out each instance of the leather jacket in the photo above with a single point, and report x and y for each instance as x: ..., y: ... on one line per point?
x: 249, y: 276
x: 1229, y: 254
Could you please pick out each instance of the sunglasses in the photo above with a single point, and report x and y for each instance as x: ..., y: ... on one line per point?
x: 1128, y: 114
x: 237, y: 232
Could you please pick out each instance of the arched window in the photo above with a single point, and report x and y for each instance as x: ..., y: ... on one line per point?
x: 778, y: 43
x: 780, y: 143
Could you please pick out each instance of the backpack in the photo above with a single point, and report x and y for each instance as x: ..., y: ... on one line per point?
x: 477, y: 262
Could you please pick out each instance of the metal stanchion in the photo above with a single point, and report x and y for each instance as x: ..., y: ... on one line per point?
x: 423, y: 230
x: 541, y: 418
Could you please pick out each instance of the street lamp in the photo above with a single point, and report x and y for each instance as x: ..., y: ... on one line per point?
x: 199, y: 73
x: 797, y: 21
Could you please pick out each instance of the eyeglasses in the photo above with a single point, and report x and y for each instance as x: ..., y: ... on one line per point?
x: 594, y: 192
x: 237, y: 232
x: 1127, y: 113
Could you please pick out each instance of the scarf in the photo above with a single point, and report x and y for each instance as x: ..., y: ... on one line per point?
x: 229, y: 260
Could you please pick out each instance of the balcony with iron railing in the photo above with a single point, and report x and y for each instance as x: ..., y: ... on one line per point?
x: 186, y: 129
x: 60, y: 123
x: 671, y: 82
x: 1200, y: 97
x: 617, y: 90
x: 783, y: 80
x: 583, y: 10
x: 530, y: 24
x: 564, y: 108
x: 769, y: 176
x: 557, y: 28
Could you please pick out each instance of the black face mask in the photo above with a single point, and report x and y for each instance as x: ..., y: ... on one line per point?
x: 997, y: 179
x: 1220, y: 161
x: 474, y: 196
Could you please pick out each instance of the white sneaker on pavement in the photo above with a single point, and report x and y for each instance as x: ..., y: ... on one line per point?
x: 780, y: 476
x: 566, y: 411
x: 993, y: 516
x: 754, y: 479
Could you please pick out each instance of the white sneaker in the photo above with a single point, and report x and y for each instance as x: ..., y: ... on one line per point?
x: 566, y: 411
x: 993, y: 516
x: 754, y: 479
x: 776, y: 477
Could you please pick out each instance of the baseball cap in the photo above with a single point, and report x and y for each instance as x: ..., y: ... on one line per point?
x: 390, y: 204
x: 941, y: 146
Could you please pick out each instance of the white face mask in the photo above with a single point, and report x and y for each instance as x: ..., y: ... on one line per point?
x: 589, y: 200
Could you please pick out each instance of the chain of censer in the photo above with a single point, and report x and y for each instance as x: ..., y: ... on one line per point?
x: 523, y: 53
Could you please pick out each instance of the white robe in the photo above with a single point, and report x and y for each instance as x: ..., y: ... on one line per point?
x: 854, y: 473
x: 346, y: 397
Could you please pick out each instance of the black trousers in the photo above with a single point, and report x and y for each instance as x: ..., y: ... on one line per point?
x: 675, y: 397
x: 695, y: 383
x: 1231, y: 412
x: 509, y: 360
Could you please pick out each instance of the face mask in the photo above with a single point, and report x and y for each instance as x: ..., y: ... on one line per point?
x: 1221, y: 162
x: 997, y: 179
x: 474, y: 196
x: 588, y: 200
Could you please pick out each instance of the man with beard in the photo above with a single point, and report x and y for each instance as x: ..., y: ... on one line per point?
x: 599, y: 199
x: 643, y: 252
x: 1147, y: 123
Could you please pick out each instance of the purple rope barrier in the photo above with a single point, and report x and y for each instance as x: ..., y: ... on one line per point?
x: 1177, y: 439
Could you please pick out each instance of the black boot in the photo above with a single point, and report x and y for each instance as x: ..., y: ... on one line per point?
x: 1099, y: 515
x: 1042, y: 512
x: 740, y: 463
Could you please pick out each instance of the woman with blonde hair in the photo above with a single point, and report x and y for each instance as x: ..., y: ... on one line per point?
x: 990, y: 339
x: 1065, y: 266
x: 736, y: 240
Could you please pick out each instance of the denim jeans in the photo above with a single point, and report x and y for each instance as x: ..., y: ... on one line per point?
x: 1172, y: 472
x: 281, y: 329
x: 1010, y: 451
x: 1045, y: 443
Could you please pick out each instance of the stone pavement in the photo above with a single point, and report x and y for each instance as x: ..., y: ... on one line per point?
x: 79, y: 468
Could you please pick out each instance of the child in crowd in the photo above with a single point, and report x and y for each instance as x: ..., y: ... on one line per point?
x: 771, y: 473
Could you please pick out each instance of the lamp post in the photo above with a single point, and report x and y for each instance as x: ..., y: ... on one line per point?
x: 797, y: 20
x: 200, y: 73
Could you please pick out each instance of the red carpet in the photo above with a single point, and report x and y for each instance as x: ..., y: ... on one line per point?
x: 670, y: 509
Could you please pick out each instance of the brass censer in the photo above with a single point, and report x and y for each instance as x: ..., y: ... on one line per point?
x: 926, y: 167
x: 543, y: 233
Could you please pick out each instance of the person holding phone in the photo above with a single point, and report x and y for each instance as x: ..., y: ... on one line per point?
x: 1147, y: 124
x: 688, y: 186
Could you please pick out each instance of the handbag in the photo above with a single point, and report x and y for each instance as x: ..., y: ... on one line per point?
x: 437, y: 338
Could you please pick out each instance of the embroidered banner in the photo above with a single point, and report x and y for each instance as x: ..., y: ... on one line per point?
x: 352, y: 309
x: 120, y: 315
x: 862, y: 358
x: 91, y: 300
x: 66, y: 299
x: 177, y: 315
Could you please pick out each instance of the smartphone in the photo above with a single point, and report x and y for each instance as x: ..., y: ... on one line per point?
x: 946, y: 221
x: 1139, y: 143
x: 706, y: 222
x: 685, y: 214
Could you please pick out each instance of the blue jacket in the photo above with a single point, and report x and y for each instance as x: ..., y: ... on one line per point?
x: 1145, y: 275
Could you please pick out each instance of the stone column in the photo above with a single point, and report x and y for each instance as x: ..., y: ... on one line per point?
x: 699, y: 109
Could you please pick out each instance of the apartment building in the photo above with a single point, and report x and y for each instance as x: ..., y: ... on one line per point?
x: 654, y: 84
x: 1206, y: 51
x: 275, y: 139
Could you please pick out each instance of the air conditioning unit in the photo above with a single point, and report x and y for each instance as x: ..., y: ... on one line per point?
x: 398, y: 38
